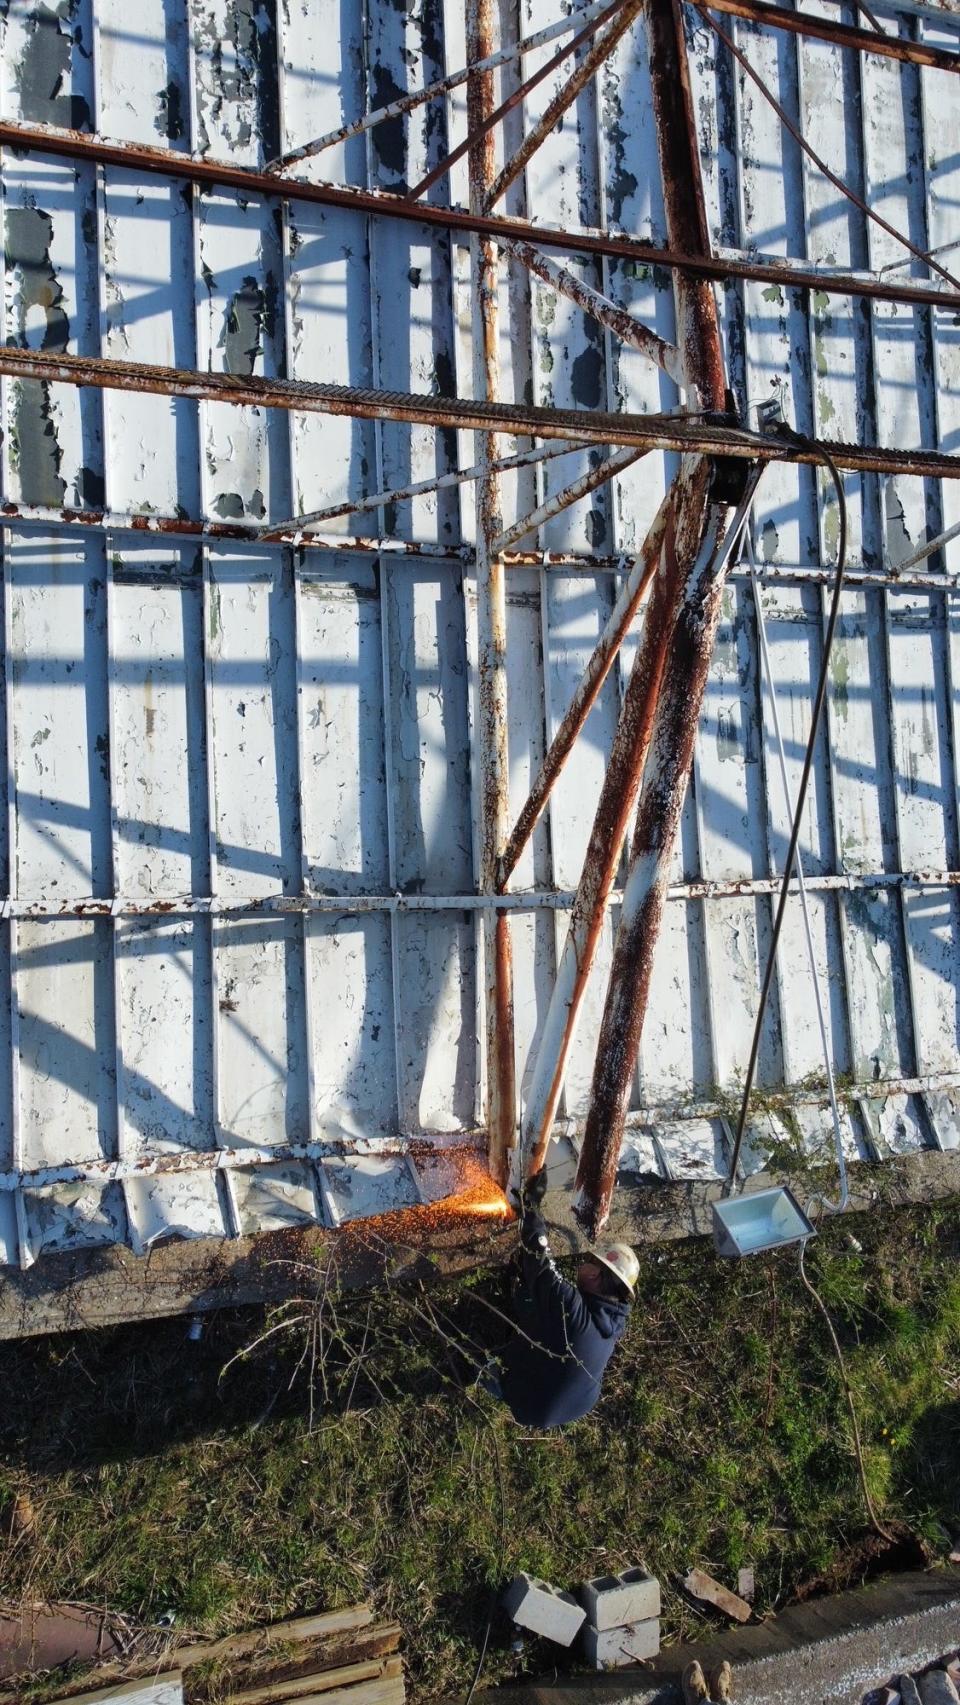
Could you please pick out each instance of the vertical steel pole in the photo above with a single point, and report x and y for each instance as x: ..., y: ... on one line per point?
x: 684, y: 678
x: 492, y: 621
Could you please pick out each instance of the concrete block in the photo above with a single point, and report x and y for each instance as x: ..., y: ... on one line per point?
x: 543, y: 1609
x: 611, y: 1601
x: 614, y: 1648
x: 936, y: 1688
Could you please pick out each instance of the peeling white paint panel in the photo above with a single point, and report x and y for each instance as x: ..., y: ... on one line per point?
x: 171, y: 1206
x: 164, y: 989
x: 897, y: 1121
x: 728, y: 785
x: 148, y: 316
x: 156, y: 686
x: 259, y: 962
x: 53, y: 451
x: 533, y: 936
x: 926, y: 815
x: 64, y: 985
x: 331, y: 336
x: 74, y: 1216
x: 239, y: 299
x: 839, y: 325
x: 143, y: 90
x: 693, y: 1148
x: 269, y: 1198
x: 893, y: 186
x: 265, y: 725
x: 942, y: 169
x: 60, y: 747
x: 865, y: 833
x: 793, y: 621
x: 413, y: 322
x: 776, y: 348
x: 675, y: 1051
x: 365, y: 1185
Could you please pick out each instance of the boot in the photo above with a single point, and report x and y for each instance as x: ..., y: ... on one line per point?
x: 721, y: 1683
x: 694, y: 1685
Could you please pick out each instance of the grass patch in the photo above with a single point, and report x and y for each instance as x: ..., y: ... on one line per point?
x: 722, y: 1440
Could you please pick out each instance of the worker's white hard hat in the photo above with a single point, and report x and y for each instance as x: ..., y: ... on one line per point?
x: 621, y: 1261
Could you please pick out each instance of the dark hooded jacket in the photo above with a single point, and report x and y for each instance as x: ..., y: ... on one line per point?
x: 555, y: 1362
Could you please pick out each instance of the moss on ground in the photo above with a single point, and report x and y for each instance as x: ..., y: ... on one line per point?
x: 161, y: 1482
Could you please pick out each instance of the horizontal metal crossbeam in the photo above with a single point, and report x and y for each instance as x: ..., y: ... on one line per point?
x: 644, y: 431
x: 164, y: 162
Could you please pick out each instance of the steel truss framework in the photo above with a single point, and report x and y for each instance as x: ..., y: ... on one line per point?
x: 678, y: 575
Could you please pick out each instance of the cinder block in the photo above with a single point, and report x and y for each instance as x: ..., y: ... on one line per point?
x: 611, y: 1601
x: 617, y: 1647
x: 543, y: 1609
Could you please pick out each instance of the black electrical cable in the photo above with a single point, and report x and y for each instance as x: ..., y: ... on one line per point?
x: 818, y: 704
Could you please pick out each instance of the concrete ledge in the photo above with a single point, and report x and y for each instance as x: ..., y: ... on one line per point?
x: 103, y: 1287
x: 829, y: 1652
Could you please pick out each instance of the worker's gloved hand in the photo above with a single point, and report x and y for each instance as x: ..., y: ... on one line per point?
x: 535, y: 1189
x: 533, y: 1231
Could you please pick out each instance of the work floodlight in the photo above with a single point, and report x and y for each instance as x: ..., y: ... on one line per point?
x: 765, y: 1219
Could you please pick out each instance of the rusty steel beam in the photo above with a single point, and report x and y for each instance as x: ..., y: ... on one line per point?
x: 684, y: 674
x: 591, y: 681
x: 443, y: 86
x: 493, y: 757
x: 618, y: 797
x: 567, y: 496
x: 164, y: 162
x: 565, y: 98
x: 398, y: 494
x: 309, y: 903
x: 478, y: 132
x: 840, y: 35
x: 665, y: 355
x: 36, y: 515
x: 671, y: 431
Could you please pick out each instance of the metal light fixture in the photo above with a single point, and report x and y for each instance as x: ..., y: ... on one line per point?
x: 763, y: 1219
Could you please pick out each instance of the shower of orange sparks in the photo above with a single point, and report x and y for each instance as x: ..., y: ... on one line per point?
x: 481, y: 1197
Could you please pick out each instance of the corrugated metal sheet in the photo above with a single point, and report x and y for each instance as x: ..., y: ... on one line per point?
x: 274, y: 748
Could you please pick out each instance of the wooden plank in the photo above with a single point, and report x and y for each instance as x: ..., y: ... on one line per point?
x: 386, y: 1692
x: 346, y: 1675
x: 297, y: 1628
x: 151, y: 1690
x: 309, y: 1658
x: 387, y: 1689
x: 709, y: 1591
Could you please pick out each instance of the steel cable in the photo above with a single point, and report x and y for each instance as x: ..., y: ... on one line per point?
x: 818, y: 704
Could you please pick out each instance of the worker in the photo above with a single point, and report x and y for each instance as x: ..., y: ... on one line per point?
x: 553, y: 1366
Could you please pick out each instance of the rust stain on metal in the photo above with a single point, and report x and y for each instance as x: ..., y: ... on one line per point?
x: 492, y: 618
